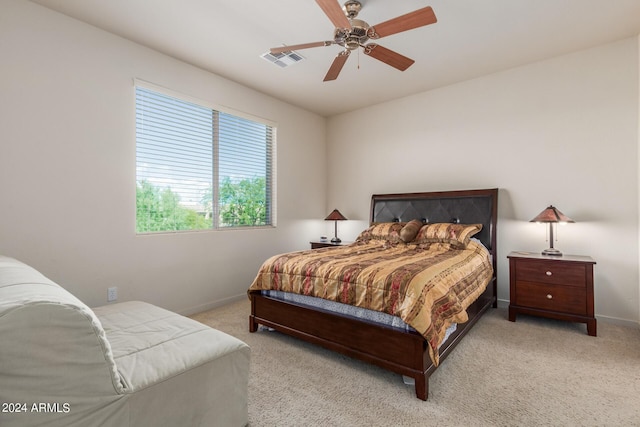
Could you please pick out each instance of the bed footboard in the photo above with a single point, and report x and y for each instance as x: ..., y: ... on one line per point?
x: 396, y: 350
x: 390, y: 348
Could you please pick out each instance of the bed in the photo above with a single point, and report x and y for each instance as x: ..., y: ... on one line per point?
x: 406, y: 351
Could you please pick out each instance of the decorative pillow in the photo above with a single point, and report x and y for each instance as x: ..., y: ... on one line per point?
x: 457, y: 235
x: 410, y: 230
x: 389, y: 231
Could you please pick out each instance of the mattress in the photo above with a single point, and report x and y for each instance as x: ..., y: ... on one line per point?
x: 360, y: 313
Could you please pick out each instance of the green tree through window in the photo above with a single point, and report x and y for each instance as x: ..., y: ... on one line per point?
x: 160, y: 210
x: 243, y: 203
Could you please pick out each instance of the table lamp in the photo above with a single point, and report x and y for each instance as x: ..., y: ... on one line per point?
x: 336, y: 216
x: 553, y: 216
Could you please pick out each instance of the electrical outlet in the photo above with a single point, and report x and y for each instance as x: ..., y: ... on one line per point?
x: 112, y: 294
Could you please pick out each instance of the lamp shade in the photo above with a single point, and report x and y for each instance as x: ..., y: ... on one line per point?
x: 335, y: 215
x: 551, y: 214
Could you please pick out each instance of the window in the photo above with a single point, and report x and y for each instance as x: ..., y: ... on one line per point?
x: 198, y: 168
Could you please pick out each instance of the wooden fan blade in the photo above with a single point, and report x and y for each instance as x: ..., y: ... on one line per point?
x: 409, y: 21
x: 388, y: 56
x: 281, y: 49
x: 337, y: 65
x: 335, y: 13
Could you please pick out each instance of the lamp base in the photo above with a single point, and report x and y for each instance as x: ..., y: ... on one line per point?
x: 552, y: 252
x: 335, y: 240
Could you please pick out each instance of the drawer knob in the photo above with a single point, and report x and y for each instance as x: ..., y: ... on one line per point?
x: 549, y: 296
x: 549, y: 273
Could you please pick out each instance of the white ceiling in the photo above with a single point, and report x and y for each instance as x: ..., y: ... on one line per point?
x: 470, y: 39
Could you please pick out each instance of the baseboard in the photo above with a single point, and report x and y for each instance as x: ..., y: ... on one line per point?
x: 503, y: 303
x: 212, y: 304
x: 617, y: 321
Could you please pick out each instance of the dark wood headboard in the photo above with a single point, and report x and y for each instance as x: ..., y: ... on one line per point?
x: 464, y: 207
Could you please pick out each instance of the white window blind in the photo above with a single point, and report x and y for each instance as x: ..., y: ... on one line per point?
x: 198, y: 168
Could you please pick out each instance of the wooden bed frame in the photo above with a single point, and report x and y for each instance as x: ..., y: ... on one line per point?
x: 391, y: 348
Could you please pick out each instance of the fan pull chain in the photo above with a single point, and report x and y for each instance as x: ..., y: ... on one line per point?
x: 358, y: 59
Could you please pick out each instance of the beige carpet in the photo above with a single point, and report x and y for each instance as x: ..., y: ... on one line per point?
x: 534, y: 372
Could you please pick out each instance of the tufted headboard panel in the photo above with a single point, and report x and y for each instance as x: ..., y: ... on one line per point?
x: 464, y: 207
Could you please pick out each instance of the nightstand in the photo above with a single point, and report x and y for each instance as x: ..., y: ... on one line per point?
x: 327, y: 244
x: 555, y: 287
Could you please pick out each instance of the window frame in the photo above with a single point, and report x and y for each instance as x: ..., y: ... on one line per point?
x: 270, y: 177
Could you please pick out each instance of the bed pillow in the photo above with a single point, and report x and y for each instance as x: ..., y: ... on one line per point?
x: 410, y: 230
x: 457, y: 235
x: 388, y: 231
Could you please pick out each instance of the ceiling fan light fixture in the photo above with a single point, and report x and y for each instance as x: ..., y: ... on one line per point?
x: 352, y: 43
x: 340, y: 35
x: 353, y: 38
x: 359, y: 28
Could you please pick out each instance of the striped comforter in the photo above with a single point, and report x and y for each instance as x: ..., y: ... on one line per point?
x: 428, y: 286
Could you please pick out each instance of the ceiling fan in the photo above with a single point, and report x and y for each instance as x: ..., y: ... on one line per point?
x: 352, y: 33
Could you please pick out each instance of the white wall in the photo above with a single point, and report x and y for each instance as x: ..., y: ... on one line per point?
x: 638, y: 47
x: 67, y: 168
x: 562, y: 131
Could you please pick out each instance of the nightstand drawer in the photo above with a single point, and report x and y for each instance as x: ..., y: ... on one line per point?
x: 551, y: 297
x: 551, y: 272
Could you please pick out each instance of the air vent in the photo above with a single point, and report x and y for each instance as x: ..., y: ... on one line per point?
x: 283, y: 59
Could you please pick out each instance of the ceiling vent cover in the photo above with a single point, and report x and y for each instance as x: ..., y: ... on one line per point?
x: 283, y: 59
